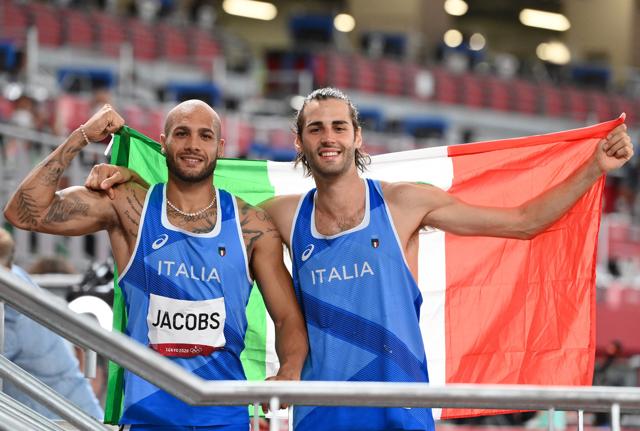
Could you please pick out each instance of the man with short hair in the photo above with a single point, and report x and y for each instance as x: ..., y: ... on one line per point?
x: 354, y: 247
x: 188, y: 253
x: 40, y: 352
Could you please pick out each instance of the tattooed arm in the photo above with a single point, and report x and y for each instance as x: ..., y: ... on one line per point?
x: 264, y: 250
x: 37, y: 206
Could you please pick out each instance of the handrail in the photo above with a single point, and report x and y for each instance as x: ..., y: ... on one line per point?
x: 28, y: 419
x: 47, y: 396
x: 53, y: 313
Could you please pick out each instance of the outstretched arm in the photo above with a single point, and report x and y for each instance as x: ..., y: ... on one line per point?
x: 74, y: 211
x: 433, y: 207
x: 264, y: 250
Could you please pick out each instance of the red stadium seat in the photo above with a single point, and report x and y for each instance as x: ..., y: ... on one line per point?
x: 601, y: 105
x: 498, y: 96
x: 155, y: 121
x: 204, y: 48
x: 136, y: 118
x: 78, y: 29
x: 47, y: 21
x: 552, y: 101
x: 319, y: 68
x: 110, y: 33
x: 71, y: 112
x: 472, y: 93
x: 577, y: 104
x: 446, y: 86
x: 174, y: 46
x: 14, y: 21
x: 6, y: 109
x: 391, y: 78
x: 364, y: 74
x: 622, y: 104
x: 143, y: 39
x: 525, y: 97
x: 340, y: 70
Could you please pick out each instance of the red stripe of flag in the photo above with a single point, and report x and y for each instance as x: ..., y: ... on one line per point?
x: 523, y: 312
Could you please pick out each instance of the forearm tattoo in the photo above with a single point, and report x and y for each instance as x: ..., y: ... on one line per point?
x: 52, y: 171
x: 27, y: 208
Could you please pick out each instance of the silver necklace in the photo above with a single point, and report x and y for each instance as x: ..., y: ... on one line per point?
x: 197, y: 213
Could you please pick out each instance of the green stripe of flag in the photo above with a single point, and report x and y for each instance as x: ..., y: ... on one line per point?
x: 246, y: 179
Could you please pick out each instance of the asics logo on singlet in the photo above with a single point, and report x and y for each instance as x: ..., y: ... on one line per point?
x: 162, y: 240
x: 306, y: 254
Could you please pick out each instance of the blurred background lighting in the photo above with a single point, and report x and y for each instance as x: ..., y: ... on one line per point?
x: 456, y: 7
x: 546, y: 20
x: 477, y: 42
x: 344, y: 22
x: 250, y: 9
x: 453, y: 38
x: 554, y: 52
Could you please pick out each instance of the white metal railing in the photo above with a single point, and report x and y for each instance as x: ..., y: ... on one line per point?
x: 53, y: 313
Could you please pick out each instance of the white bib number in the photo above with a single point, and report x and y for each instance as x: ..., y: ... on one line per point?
x: 183, y: 328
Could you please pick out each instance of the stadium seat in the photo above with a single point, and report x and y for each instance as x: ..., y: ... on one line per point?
x: 6, y: 109
x: 446, y: 90
x: 340, y: 70
x: 78, y: 29
x: 601, y: 105
x: 578, y: 107
x: 13, y: 21
x: 552, y: 101
x: 173, y: 43
x: 472, y: 94
x: 319, y: 69
x: 525, y: 98
x: 204, y: 48
x: 365, y: 77
x: 143, y: 39
x: 391, y: 77
x: 71, y: 112
x: 110, y: 33
x: 498, y: 96
x: 47, y: 20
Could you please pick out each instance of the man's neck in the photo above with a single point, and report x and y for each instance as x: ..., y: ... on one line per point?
x: 340, y: 195
x: 190, y: 197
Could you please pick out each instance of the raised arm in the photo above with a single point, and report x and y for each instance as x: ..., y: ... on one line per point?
x: 430, y: 206
x: 37, y: 206
x: 264, y: 250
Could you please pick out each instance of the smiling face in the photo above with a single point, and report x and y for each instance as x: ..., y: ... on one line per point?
x: 192, y: 141
x: 328, y: 139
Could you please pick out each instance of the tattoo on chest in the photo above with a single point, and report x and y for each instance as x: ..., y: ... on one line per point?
x: 63, y: 210
x: 201, y: 223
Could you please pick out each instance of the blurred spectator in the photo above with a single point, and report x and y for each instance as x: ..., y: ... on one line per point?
x: 59, y: 265
x: 40, y: 352
x: 24, y: 112
x: 101, y: 96
x: 52, y: 265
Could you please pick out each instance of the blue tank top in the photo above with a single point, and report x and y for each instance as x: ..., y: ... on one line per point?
x: 361, y: 305
x: 186, y: 295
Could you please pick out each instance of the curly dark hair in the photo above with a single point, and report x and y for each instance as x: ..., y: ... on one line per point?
x: 362, y: 159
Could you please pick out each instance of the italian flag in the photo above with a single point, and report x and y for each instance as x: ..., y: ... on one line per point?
x: 494, y: 310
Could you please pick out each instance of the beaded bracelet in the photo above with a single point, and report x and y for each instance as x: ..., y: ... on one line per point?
x: 84, y: 134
